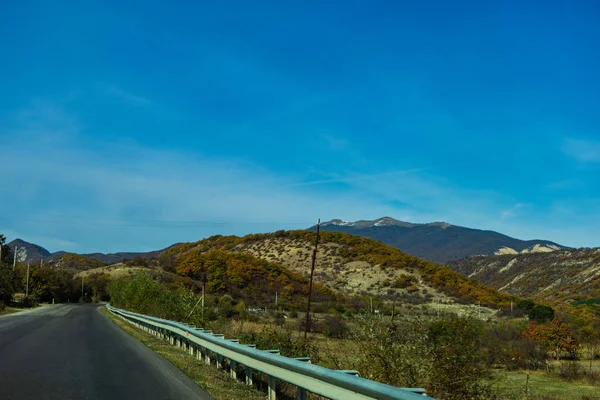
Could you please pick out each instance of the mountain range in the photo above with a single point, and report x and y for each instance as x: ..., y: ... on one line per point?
x: 438, y: 242
x: 539, y: 269
x: 37, y: 253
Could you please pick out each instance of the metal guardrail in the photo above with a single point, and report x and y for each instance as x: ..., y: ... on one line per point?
x: 206, y: 346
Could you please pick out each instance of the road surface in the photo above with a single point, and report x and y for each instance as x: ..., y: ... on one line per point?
x: 69, y: 351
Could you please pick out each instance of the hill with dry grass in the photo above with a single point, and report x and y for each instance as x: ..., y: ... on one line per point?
x: 75, y: 262
x: 352, y: 265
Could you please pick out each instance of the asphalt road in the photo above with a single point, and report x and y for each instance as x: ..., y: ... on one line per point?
x: 74, y: 352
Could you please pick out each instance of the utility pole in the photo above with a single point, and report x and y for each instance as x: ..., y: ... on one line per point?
x: 15, y: 258
x: 202, y: 301
x: 27, y: 285
x: 312, y: 271
x: 82, y: 289
x: 511, y: 308
x: 275, y: 299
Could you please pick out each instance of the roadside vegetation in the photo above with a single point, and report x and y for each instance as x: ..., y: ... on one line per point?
x: 47, y: 282
x: 453, y: 357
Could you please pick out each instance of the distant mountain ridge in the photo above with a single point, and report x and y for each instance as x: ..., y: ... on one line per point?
x: 563, y: 275
x: 34, y: 252
x: 439, y: 242
x: 37, y: 253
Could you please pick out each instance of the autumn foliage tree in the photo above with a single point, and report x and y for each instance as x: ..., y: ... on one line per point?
x: 556, y: 335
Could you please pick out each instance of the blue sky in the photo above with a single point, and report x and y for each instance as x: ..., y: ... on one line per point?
x: 131, y: 126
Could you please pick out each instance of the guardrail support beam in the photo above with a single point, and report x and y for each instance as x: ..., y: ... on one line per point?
x: 301, y: 393
x: 233, y: 369
x: 249, y: 373
x: 272, y: 390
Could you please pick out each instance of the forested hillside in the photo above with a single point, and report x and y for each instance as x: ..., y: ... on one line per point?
x: 347, y: 263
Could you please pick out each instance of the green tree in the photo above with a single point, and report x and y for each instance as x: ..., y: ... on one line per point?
x: 525, y: 305
x: 541, y: 314
x: 7, y: 288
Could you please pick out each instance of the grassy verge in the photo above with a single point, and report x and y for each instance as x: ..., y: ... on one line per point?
x: 216, y: 382
x: 513, y: 384
x: 9, y: 310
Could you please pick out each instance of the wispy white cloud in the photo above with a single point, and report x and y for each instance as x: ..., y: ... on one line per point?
x: 587, y: 151
x: 350, y: 179
x: 126, y: 96
x: 106, y: 197
x: 512, y: 211
x: 565, y: 184
x: 335, y: 143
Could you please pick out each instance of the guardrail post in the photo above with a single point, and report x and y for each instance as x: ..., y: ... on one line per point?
x: 272, y: 388
x: 233, y: 369
x: 191, y: 348
x: 207, y: 357
x: 219, y: 361
x: 301, y: 393
x: 249, y: 373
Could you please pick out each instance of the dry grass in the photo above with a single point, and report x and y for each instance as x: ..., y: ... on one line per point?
x: 9, y: 310
x: 516, y: 385
x: 356, y: 277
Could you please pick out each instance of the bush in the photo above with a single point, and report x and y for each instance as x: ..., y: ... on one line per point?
x: 142, y: 294
x: 335, y: 327
x: 404, y: 281
x: 287, y: 342
x: 571, y: 371
x: 541, y: 314
x: 444, y: 356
